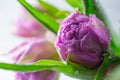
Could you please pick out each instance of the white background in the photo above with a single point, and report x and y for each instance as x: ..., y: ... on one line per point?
x: 10, y: 10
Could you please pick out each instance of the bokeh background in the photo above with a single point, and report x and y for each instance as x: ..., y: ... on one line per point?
x: 10, y: 10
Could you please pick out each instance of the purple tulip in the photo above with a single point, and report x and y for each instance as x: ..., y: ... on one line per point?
x: 42, y: 75
x: 31, y: 51
x: 83, y: 38
x: 27, y: 26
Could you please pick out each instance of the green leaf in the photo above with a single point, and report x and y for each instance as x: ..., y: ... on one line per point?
x: 39, y: 66
x: 49, y: 23
x: 52, y: 10
x: 67, y: 69
x: 72, y: 71
x: 88, y: 7
x: 77, y: 4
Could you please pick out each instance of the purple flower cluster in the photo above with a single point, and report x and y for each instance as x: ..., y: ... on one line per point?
x: 82, y: 39
x: 36, y: 47
x: 31, y: 51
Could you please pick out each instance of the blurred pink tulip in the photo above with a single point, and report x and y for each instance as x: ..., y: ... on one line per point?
x: 27, y: 26
x: 31, y: 51
x: 41, y: 75
x: 38, y: 47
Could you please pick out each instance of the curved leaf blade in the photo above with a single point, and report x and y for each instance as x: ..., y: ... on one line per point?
x: 49, y: 23
x: 39, y: 66
x: 77, y: 4
x: 88, y: 7
x: 52, y: 10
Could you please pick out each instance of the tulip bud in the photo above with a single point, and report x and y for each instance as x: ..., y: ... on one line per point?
x: 83, y: 38
x: 27, y: 26
x: 42, y: 75
x: 33, y: 50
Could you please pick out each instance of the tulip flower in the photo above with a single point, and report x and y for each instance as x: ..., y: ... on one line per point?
x: 42, y: 75
x: 82, y: 40
x: 31, y: 51
x: 27, y: 26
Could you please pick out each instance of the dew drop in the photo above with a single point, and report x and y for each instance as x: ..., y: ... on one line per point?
x: 76, y: 72
x: 109, y: 57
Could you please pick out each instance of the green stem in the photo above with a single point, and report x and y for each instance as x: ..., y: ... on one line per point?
x: 88, y: 7
x: 99, y: 75
x: 109, y: 58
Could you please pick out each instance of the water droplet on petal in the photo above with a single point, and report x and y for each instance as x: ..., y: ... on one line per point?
x: 76, y: 72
